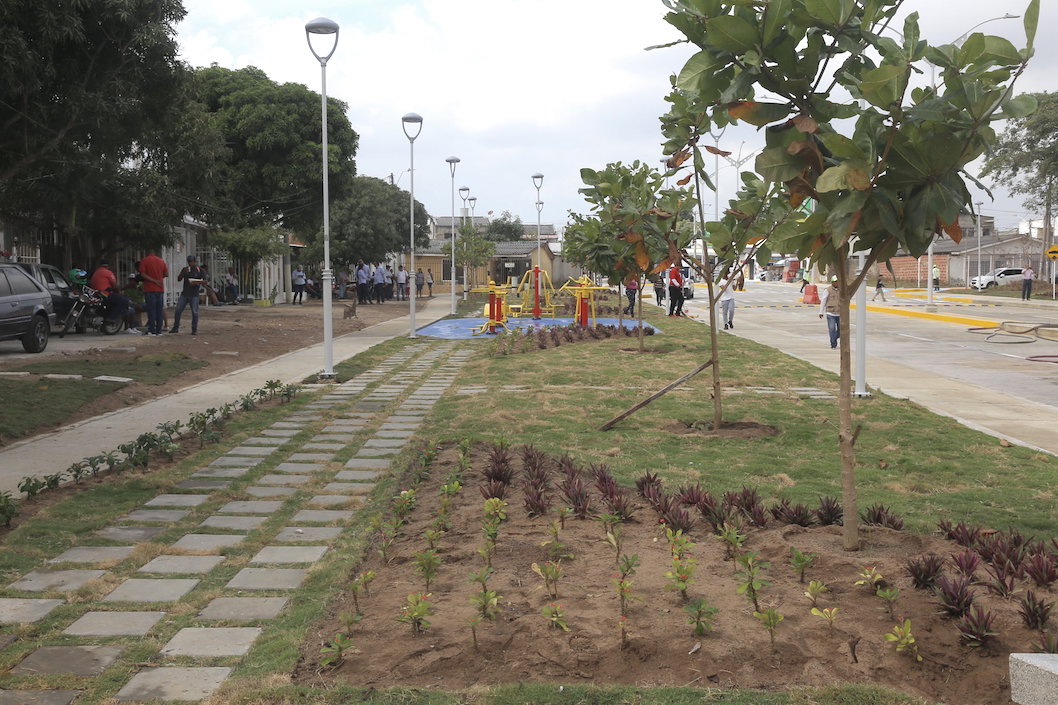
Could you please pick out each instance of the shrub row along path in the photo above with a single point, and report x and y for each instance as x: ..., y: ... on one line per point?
x: 376, y: 413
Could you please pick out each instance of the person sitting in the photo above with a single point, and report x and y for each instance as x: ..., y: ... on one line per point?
x: 231, y: 286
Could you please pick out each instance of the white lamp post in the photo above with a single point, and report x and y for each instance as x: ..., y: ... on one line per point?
x: 473, y: 201
x: 322, y: 25
x: 412, y: 125
x: 464, y: 193
x: 538, y: 181
x: 452, y: 161
x: 980, y: 232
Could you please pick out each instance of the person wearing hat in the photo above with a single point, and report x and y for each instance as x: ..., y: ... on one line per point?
x: 193, y: 278
x: 829, y: 306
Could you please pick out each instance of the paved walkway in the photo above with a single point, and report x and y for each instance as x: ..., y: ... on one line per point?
x: 58, y: 450
x: 295, y: 485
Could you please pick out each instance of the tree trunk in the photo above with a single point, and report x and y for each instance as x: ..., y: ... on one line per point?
x: 714, y: 349
x: 846, y: 435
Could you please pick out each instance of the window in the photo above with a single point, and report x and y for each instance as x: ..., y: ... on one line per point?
x: 21, y: 283
x: 5, y: 288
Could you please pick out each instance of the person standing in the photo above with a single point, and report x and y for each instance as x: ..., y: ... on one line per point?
x: 298, y: 281
x: 675, y: 291
x: 402, y: 283
x: 727, y: 303
x: 231, y: 286
x: 153, y: 271
x: 829, y: 305
x: 936, y: 277
x: 429, y: 281
x: 343, y: 282
x: 420, y: 281
x: 1027, y: 275
x: 659, y: 288
x: 193, y: 278
x: 103, y: 279
x: 363, y: 285
x: 631, y: 290
x: 380, y: 283
x: 879, y: 288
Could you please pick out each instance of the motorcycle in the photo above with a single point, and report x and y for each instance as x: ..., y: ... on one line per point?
x: 91, y: 310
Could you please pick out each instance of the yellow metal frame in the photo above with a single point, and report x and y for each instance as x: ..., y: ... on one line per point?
x: 525, y: 289
x: 500, y: 291
x: 583, y: 288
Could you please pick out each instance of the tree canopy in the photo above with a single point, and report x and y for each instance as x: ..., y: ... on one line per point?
x: 505, y: 228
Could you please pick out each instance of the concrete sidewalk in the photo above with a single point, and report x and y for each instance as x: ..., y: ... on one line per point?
x: 55, y: 451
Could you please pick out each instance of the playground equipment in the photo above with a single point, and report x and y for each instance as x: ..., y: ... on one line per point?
x: 495, y: 309
x: 583, y: 289
x: 537, y: 294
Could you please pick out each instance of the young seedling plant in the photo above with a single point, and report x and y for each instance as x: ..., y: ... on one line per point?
x: 770, y: 618
x: 733, y: 540
x: 415, y: 611
x: 333, y: 652
x: 751, y: 580
x: 904, y: 640
x: 800, y: 562
x: 828, y: 613
x: 889, y: 595
x: 701, y: 615
x: 427, y: 564
x: 550, y: 572
x: 815, y: 589
x: 556, y: 616
x: 681, y: 575
x: 870, y: 578
x: 556, y: 550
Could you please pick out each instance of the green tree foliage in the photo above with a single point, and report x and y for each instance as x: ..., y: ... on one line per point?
x: 273, y: 133
x: 472, y: 249
x: 884, y: 170
x: 250, y: 244
x: 371, y: 222
x: 506, y: 228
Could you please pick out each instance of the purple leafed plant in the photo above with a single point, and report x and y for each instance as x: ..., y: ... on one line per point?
x: 975, y: 627
x: 744, y: 499
x: 787, y: 513
x: 691, y: 495
x: 498, y: 467
x: 829, y: 512
x: 578, y: 497
x: 536, y: 498
x: 1042, y: 569
x: 966, y: 562
x: 1002, y: 579
x: 758, y: 515
x: 963, y: 534
x: 880, y: 515
x: 620, y: 504
x: 1034, y: 611
x: 647, y: 480
x: 678, y: 519
x: 925, y: 570
x: 954, y: 595
x: 493, y: 489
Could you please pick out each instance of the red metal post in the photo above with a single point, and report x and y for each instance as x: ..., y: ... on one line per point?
x: 582, y: 311
x: 536, y: 292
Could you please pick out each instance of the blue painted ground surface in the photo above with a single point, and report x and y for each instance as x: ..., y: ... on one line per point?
x: 462, y: 328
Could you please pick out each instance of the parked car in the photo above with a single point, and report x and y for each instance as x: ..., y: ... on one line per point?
x: 62, y: 293
x: 997, y: 277
x: 26, y: 309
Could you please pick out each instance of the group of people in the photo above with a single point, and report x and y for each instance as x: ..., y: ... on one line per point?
x: 671, y: 280
x: 377, y: 283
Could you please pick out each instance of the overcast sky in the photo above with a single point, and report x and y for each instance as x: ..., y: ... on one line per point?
x: 514, y: 87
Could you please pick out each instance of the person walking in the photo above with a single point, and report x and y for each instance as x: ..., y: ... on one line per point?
x: 659, y: 288
x: 193, y: 278
x: 879, y: 289
x: 829, y: 306
x: 429, y: 282
x: 631, y: 290
x: 727, y: 303
x: 1027, y: 275
x: 936, y: 278
x: 298, y: 281
x: 153, y: 271
x: 675, y: 291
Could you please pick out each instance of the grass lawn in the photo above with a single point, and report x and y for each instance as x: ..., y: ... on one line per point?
x: 148, y: 369
x: 32, y: 404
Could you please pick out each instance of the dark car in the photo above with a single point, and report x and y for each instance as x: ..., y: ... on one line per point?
x: 62, y: 293
x: 26, y: 310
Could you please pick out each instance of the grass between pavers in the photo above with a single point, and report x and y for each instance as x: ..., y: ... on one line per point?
x: 148, y: 369
x: 31, y: 404
x: 926, y: 467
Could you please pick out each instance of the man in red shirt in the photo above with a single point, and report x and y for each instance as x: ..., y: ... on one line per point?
x: 103, y: 279
x: 675, y: 290
x: 154, y: 270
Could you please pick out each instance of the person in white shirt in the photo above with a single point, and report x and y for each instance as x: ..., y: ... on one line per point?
x: 402, y: 283
x: 727, y: 302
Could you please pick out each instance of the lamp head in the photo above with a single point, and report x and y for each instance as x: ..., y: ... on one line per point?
x: 321, y: 25
x: 539, y: 206
x: 452, y: 161
x: 412, y: 123
x: 538, y: 180
x: 464, y: 191
x: 472, y: 200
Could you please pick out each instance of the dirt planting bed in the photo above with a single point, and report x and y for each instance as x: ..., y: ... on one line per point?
x: 660, y: 648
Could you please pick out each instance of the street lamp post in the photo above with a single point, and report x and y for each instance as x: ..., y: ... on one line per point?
x: 538, y: 181
x: 980, y: 232
x: 452, y: 161
x: 464, y: 193
x: 411, y: 123
x: 322, y: 25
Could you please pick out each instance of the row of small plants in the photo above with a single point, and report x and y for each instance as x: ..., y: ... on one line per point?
x: 522, y: 340
x: 207, y: 426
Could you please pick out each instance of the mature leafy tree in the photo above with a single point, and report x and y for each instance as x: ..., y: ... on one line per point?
x: 472, y: 249
x: 273, y: 134
x: 1025, y: 159
x: 250, y: 245
x: 371, y: 222
x: 883, y: 174
x: 593, y: 245
x: 505, y: 228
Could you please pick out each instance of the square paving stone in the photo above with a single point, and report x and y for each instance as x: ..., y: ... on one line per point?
x: 348, y: 423
x: 38, y: 697
x: 357, y: 415
x: 394, y: 434
x: 288, y: 425
x: 203, y: 484
x: 211, y: 641
x: 265, y: 441
x: 221, y: 472
x: 72, y: 660
x: 267, y: 492
x: 250, y: 507
x: 331, y: 447
x: 234, y: 523
x: 300, y: 534
x: 333, y: 429
x: 277, y: 479
x: 280, y: 432
x: 385, y: 442
x: 189, y: 683
x: 333, y: 500
x: 133, y: 534
x: 343, y: 438
x: 20, y: 610
x: 375, y: 452
x: 230, y: 461
x: 267, y: 579
x: 207, y: 542
x: 254, y: 451
x: 93, y: 554
x: 409, y: 427
x: 152, y: 590
x: 322, y: 516
x: 177, y: 500
x: 296, y: 468
x: 114, y: 623
x: 348, y: 487
x: 156, y: 516
x: 182, y: 565
x: 289, y: 554
x: 310, y: 457
x: 43, y: 580
x: 243, y: 609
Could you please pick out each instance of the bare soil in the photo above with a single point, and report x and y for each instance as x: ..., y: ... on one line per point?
x: 661, y: 649
x: 229, y: 338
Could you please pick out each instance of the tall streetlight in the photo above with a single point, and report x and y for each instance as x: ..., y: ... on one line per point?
x: 538, y: 181
x: 322, y: 25
x: 980, y: 232
x: 473, y: 201
x: 412, y: 125
x: 452, y: 161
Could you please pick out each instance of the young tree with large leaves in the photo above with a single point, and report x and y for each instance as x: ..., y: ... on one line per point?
x: 883, y: 161
x: 506, y: 228
x: 473, y: 250
x: 594, y: 246
x: 371, y: 222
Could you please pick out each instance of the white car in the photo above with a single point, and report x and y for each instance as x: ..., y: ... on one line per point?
x: 997, y: 277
